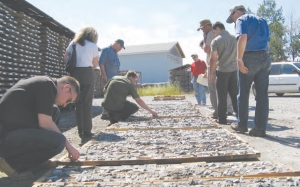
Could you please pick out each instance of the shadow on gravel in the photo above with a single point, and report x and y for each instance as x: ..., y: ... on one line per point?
x: 108, y: 137
x: 68, y: 118
x: 97, y: 110
x: 291, y: 139
x: 273, y: 127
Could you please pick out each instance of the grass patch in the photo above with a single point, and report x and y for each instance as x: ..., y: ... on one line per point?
x: 170, y: 89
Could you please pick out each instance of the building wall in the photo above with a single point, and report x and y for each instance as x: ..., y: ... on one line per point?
x: 154, y: 66
x: 174, y: 51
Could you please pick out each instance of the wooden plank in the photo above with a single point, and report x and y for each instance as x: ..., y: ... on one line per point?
x: 159, y: 161
x: 236, y: 136
x: 167, y: 128
x: 177, y: 173
x: 132, y: 118
x: 169, y: 97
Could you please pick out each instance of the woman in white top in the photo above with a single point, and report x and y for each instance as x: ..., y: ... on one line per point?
x: 86, y: 59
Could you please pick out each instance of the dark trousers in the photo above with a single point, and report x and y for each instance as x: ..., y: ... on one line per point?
x: 226, y: 83
x: 129, y: 109
x: 24, y: 149
x: 85, y: 77
x: 259, y: 65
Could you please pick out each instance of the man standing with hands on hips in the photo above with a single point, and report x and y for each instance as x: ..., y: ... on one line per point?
x: 110, y: 65
x: 254, y: 63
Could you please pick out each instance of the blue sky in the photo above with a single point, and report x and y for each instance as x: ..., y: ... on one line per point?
x: 144, y: 22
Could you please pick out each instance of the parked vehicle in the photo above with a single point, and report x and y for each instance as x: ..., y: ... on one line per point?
x: 284, y: 78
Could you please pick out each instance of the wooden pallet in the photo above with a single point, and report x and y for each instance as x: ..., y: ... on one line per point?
x: 166, y: 128
x: 137, y: 118
x: 159, y: 174
x: 186, y: 123
x: 169, y: 147
x: 168, y: 97
x: 149, y: 160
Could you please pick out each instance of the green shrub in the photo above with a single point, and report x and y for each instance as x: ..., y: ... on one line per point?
x: 170, y: 89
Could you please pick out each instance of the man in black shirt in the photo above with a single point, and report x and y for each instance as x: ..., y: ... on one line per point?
x: 29, y: 135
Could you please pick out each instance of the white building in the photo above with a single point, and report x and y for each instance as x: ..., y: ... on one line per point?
x: 153, y: 60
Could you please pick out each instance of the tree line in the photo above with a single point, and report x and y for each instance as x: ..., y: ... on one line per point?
x: 284, y: 32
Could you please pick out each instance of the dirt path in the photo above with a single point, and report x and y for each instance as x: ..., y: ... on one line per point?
x: 284, y: 119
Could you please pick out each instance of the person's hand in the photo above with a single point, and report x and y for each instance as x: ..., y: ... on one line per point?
x: 154, y: 114
x: 205, y: 75
x: 242, y: 68
x: 211, y: 78
x: 97, y: 71
x: 73, y: 153
x: 104, y: 78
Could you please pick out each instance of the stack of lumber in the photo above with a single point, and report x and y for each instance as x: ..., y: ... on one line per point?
x: 27, y: 48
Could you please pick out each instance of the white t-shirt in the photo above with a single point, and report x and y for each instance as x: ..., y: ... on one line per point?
x: 84, y: 54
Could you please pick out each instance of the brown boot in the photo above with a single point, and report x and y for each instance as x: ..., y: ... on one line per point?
x: 13, y: 174
x: 236, y: 128
x: 258, y: 133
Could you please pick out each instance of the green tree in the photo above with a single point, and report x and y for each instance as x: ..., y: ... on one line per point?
x: 293, y: 37
x: 249, y: 10
x: 275, y: 19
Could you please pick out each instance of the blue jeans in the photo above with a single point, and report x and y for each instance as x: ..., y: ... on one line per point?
x: 199, y: 90
x: 259, y: 65
x: 25, y: 149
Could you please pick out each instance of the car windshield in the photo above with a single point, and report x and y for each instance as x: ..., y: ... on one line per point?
x: 297, y: 64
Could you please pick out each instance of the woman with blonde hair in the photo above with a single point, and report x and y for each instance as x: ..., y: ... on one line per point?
x: 86, y: 59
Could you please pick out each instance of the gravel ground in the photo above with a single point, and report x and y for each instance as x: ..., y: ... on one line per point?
x: 283, y: 122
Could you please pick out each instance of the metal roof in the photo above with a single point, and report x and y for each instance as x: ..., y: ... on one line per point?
x: 151, y: 48
x: 38, y: 15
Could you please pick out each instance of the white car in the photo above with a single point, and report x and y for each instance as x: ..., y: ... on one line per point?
x: 284, y: 78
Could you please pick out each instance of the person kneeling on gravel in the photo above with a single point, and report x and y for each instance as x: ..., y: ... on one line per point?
x: 29, y: 115
x: 116, y: 91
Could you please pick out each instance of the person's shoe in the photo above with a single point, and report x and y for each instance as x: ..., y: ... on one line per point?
x: 105, y: 116
x: 13, y: 174
x: 213, y: 116
x: 223, y: 122
x: 112, y: 119
x: 87, y: 135
x: 258, y: 133
x: 236, y: 128
x: 229, y: 113
x: 203, y: 104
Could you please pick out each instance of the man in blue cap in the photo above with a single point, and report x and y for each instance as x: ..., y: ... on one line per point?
x: 254, y: 63
x: 110, y: 64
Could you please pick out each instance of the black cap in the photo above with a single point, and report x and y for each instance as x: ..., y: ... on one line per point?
x: 121, y: 42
